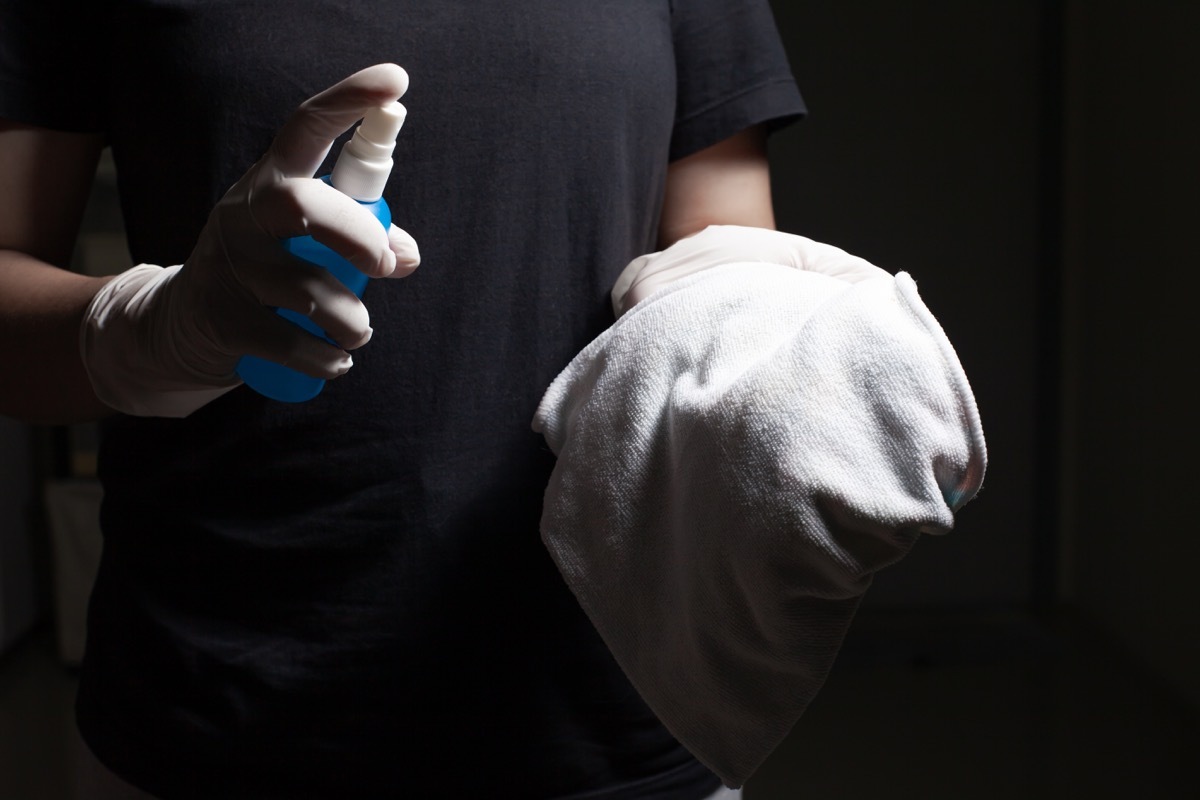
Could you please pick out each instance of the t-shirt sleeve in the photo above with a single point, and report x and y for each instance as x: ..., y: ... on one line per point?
x: 52, y: 73
x: 732, y: 72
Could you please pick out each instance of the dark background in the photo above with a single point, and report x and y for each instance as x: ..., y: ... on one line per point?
x: 1033, y: 165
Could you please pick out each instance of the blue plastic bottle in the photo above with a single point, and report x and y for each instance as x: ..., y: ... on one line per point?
x: 361, y: 171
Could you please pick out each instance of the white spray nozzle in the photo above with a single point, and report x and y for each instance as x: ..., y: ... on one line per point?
x: 365, y: 162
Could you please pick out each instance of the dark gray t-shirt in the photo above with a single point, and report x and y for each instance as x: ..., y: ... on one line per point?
x: 348, y: 597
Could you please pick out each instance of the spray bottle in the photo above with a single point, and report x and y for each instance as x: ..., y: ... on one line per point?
x: 361, y: 170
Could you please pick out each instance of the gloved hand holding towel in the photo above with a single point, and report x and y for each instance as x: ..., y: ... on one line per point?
x: 737, y: 455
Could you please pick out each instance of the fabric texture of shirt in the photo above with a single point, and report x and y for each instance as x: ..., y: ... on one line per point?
x: 348, y: 597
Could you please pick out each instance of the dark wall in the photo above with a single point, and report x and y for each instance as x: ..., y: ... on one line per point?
x: 922, y: 153
x: 1133, y: 174
x: 1035, y: 166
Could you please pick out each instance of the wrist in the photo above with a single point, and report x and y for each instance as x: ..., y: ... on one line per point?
x: 129, y: 351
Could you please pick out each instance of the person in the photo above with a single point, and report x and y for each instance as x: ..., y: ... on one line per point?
x: 348, y: 597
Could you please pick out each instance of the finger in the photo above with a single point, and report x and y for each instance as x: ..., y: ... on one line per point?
x: 304, y: 140
x: 408, y: 255
x: 303, y: 206
x: 269, y: 336
x: 837, y: 263
x: 311, y: 292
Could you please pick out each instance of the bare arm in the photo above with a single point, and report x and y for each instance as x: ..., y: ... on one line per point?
x: 45, y: 177
x: 726, y: 184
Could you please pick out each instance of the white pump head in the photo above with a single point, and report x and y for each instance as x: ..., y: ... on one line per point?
x: 365, y: 162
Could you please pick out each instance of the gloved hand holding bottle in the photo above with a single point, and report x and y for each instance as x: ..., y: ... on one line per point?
x: 164, y: 341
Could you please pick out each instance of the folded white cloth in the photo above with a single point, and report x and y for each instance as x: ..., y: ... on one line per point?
x: 737, y: 455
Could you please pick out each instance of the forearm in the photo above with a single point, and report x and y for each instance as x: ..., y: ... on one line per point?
x: 41, y: 308
x: 726, y: 184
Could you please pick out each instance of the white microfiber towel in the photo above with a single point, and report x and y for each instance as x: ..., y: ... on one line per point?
x: 737, y: 455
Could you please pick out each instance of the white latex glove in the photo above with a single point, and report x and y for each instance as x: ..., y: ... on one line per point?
x: 165, y: 341
x: 729, y: 244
